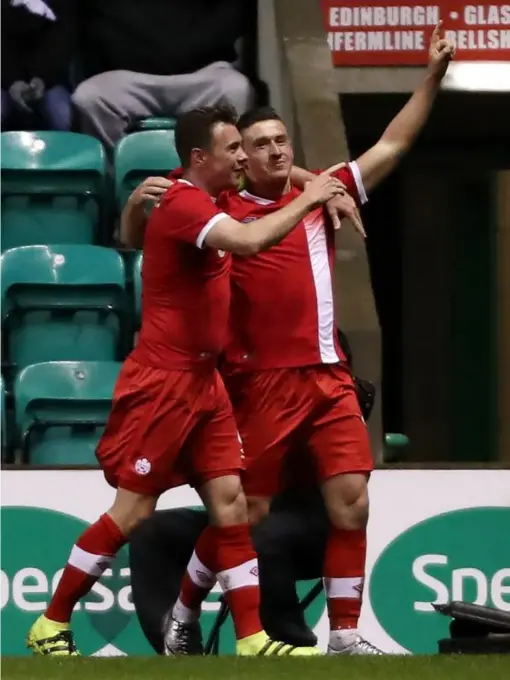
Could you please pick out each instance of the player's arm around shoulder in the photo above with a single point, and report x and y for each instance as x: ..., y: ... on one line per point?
x: 253, y: 237
x: 134, y: 217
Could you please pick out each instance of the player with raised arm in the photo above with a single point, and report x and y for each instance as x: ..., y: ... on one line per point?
x: 286, y: 373
x: 171, y: 420
x: 288, y: 379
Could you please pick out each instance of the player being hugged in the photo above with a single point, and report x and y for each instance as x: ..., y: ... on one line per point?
x: 286, y: 373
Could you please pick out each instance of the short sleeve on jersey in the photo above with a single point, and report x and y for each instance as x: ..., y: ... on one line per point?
x: 187, y: 214
x: 350, y: 175
x: 355, y: 173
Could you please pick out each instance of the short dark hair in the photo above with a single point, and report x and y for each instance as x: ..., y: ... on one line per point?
x: 256, y: 115
x: 194, y: 129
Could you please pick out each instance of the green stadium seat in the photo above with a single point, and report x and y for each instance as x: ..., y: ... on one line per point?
x: 141, y: 155
x: 137, y: 288
x: 53, y: 188
x: 2, y: 411
x: 396, y: 446
x: 61, y: 409
x: 63, y: 303
x: 155, y: 124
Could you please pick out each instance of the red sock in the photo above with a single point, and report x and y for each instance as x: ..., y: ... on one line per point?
x: 92, y: 554
x: 238, y: 573
x: 198, y: 579
x: 344, y: 570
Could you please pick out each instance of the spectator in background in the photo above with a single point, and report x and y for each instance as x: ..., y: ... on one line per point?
x: 38, y: 43
x: 159, y: 58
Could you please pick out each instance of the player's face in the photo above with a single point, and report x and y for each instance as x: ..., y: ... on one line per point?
x: 225, y: 162
x: 269, y: 151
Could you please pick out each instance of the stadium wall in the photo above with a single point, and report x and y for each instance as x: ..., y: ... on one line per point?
x: 434, y: 535
x: 431, y: 282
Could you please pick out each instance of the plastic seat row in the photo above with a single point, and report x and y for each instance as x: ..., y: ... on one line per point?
x: 55, y: 187
x: 2, y: 411
x: 67, y: 303
x: 60, y: 410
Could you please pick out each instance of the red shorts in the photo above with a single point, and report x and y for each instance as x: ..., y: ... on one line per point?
x: 168, y: 428
x: 283, y: 414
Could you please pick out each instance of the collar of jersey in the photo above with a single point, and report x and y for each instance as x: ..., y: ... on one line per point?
x: 256, y: 199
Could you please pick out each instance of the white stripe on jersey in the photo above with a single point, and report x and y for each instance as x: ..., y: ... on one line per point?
x: 323, y: 282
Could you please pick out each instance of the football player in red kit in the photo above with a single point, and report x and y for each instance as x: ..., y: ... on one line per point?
x: 285, y: 371
x: 171, y: 420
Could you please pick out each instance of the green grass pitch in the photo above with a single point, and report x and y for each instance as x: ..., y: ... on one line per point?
x: 230, y: 668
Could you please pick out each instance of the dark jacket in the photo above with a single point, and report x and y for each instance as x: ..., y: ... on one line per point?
x: 161, y: 37
x: 38, y: 40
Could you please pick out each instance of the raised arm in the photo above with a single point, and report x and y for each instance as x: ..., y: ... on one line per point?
x: 253, y: 237
x: 134, y: 217
x: 376, y: 163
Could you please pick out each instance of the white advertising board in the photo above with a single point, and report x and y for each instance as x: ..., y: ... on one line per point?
x: 433, y: 536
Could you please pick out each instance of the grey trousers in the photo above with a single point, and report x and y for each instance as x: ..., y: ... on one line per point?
x: 110, y: 102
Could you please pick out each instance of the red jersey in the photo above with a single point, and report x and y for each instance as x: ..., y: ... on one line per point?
x: 282, y: 307
x: 185, y: 287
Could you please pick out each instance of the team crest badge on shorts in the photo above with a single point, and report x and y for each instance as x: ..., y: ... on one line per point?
x: 142, y: 466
